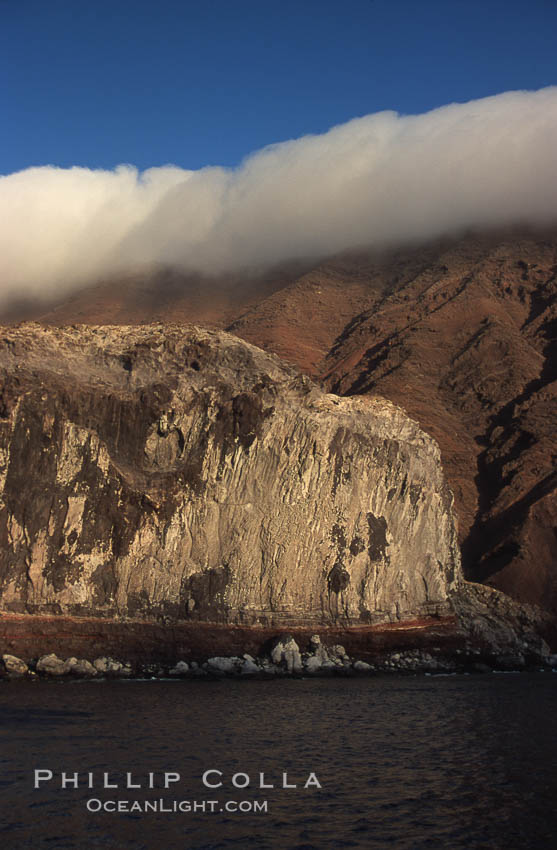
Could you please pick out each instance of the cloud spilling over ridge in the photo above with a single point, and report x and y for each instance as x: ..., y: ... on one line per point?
x: 375, y: 181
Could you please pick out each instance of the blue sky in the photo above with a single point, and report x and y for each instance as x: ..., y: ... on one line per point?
x: 102, y: 82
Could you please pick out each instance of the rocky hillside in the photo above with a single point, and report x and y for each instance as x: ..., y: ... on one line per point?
x: 459, y: 333
x: 168, y: 471
x: 466, y: 340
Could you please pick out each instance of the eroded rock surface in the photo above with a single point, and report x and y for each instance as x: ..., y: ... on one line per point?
x: 182, y: 474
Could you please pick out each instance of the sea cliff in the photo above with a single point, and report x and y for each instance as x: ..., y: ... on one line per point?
x: 172, y: 475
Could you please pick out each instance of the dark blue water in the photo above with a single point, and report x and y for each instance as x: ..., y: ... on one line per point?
x: 422, y: 762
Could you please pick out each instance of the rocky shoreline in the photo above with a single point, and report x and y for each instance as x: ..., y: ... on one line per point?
x: 283, y: 659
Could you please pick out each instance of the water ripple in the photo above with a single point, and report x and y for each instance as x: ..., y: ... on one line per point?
x: 408, y: 763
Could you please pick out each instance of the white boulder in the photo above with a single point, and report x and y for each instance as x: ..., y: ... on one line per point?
x: 179, y: 669
x: 54, y: 666
x: 15, y: 667
x: 221, y: 664
x: 287, y: 651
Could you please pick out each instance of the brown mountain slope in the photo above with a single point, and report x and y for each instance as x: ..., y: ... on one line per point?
x: 301, y: 321
x: 460, y: 333
x: 467, y: 346
x: 157, y: 294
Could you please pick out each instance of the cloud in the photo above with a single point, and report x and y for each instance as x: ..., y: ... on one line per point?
x: 376, y: 180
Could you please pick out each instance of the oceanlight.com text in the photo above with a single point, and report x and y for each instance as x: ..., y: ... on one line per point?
x: 177, y: 806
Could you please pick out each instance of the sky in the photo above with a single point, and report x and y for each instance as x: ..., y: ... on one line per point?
x: 222, y: 136
x: 98, y: 83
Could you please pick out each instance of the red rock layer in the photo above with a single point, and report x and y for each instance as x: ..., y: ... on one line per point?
x: 29, y: 636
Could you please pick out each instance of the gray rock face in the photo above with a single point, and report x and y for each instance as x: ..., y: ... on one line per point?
x: 508, y: 630
x: 163, y: 471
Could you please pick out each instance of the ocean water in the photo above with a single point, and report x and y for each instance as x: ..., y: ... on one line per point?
x: 403, y: 762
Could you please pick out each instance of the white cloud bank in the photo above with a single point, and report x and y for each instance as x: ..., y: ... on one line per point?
x: 376, y: 180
